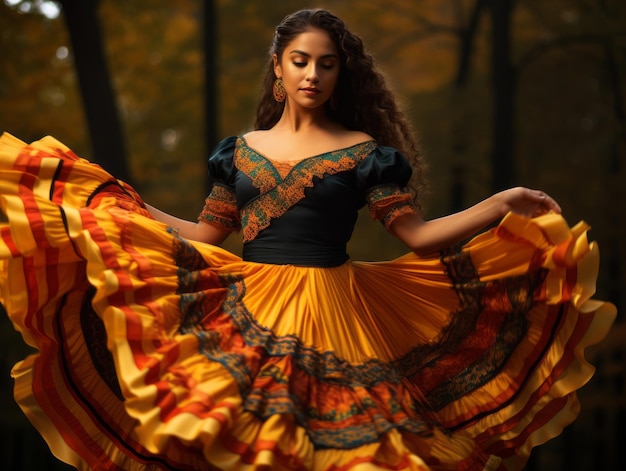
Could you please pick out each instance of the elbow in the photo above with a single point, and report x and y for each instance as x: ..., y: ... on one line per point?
x: 419, y: 246
x: 411, y: 233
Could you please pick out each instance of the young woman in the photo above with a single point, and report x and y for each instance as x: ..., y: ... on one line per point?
x: 159, y: 350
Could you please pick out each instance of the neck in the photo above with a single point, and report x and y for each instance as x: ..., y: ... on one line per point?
x: 302, y: 119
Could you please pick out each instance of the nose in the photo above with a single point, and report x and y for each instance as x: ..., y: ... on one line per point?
x: 312, y: 73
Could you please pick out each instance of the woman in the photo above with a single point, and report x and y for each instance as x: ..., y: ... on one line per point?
x: 160, y: 350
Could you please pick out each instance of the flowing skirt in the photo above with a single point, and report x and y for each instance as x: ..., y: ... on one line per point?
x: 160, y: 353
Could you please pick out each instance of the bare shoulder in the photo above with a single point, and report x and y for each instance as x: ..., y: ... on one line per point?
x: 347, y: 138
x: 258, y: 135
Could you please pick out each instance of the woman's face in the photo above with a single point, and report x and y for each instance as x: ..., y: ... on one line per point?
x: 309, y: 68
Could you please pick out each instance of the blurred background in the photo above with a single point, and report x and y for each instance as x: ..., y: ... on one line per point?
x: 501, y: 93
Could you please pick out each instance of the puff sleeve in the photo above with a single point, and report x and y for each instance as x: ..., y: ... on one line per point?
x: 384, y: 175
x: 220, y: 208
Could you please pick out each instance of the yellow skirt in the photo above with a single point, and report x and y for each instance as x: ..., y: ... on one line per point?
x: 159, y: 353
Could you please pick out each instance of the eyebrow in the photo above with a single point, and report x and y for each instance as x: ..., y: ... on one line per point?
x: 306, y: 54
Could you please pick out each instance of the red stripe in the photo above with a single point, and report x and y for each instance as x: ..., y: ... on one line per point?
x: 559, y: 255
x: 571, y: 280
x: 520, y: 378
x: 61, y: 181
x: 5, y: 234
x: 561, y: 366
x: 509, y: 448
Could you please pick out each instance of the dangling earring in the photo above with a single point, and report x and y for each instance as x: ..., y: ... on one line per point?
x: 279, y: 90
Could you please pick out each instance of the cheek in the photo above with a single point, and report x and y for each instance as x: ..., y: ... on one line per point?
x: 293, y: 75
x: 334, y: 73
x: 333, y: 78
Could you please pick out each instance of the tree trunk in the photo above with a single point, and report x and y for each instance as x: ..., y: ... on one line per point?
x: 103, y: 122
x: 210, y: 75
x: 466, y: 43
x: 467, y: 38
x: 504, y: 88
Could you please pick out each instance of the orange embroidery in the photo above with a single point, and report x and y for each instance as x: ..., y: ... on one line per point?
x: 387, y: 202
x: 279, y: 193
x: 283, y: 167
x: 220, y: 208
x: 396, y: 212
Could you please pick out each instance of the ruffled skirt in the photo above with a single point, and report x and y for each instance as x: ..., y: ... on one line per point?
x: 157, y: 352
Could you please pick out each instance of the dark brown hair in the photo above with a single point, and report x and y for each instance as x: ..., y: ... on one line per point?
x: 362, y: 100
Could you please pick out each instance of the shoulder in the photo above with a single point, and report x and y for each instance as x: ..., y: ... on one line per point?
x: 221, y: 164
x: 253, y: 138
x: 346, y: 138
x: 355, y: 136
x: 225, y: 147
x: 384, y: 165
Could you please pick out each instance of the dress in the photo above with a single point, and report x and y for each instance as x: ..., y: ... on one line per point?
x: 156, y: 352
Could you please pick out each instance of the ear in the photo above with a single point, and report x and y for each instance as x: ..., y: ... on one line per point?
x: 277, y: 68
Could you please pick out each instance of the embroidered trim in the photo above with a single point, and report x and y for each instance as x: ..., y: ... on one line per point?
x: 499, y: 307
x: 281, y: 375
x: 387, y: 202
x: 267, y: 384
x: 220, y: 209
x: 283, y: 167
x: 396, y: 212
x: 278, y: 194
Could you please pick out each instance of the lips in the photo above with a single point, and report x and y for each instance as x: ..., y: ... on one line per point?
x: 311, y: 90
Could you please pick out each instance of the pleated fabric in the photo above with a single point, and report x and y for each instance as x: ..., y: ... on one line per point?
x: 160, y: 353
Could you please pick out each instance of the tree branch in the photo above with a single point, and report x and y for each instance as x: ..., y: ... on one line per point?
x: 560, y: 43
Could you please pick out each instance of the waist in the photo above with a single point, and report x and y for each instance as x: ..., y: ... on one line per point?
x: 306, y: 255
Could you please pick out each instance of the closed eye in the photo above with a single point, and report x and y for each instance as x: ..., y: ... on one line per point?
x: 304, y: 64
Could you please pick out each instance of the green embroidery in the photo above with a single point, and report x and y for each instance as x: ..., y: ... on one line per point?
x: 278, y: 194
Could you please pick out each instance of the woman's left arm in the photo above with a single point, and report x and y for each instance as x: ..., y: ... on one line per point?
x: 198, y: 231
x: 425, y: 237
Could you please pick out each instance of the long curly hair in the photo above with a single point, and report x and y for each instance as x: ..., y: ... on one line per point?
x: 362, y: 100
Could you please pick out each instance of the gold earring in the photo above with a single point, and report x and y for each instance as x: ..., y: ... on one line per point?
x: 279, y: 90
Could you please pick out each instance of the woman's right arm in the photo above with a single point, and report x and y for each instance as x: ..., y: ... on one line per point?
x: 427, y: 237
x: 198, y: 231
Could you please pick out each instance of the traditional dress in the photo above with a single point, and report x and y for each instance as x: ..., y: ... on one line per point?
x: 157, y: 352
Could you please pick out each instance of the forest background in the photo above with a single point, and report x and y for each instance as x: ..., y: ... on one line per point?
x: 501, y: 93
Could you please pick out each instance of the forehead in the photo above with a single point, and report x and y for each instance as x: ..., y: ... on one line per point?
x: 312, y: 42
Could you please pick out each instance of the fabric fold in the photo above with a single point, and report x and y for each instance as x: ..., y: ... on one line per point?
x: 155, y: 352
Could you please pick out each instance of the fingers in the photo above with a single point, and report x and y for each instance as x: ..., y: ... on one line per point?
x: 547, y: 202
x: 554, y: 206
x: 529, y: 202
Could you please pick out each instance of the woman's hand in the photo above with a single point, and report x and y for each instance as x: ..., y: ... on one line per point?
x: 526, y: 202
